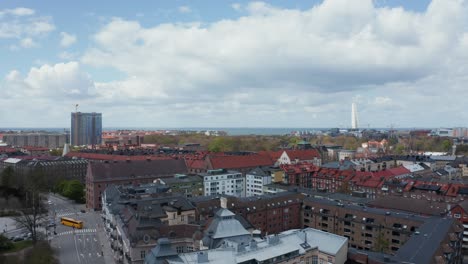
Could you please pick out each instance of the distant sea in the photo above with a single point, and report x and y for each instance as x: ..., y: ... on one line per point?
x: 232, y: 131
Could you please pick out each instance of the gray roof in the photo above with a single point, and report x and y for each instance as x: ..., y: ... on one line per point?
x: 225, y: 226
x: 421, y: 248
x: 136, y: 169
x: 259, y: 172
x: 161, y: 252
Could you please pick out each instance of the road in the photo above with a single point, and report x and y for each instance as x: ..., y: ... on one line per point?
x: 80, y: 246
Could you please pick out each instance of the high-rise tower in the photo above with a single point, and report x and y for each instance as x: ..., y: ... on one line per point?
x: 86, y: 129
x: 354, y: 116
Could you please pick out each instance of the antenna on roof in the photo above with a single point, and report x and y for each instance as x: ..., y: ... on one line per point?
x: 76, y: 108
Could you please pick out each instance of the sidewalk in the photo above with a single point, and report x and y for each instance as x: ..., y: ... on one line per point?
x: 108, y: 253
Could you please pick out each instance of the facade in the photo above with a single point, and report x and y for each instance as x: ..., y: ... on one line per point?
x: 403, y: 237
x: 99, y: 175
x: 136, y: 217
x: 223, y: 182
x: 46, y: 140
x: 256, y: 179
x: 269, y: 214
x: 345, y: 154
x: 35, y: 151
x: 460, y: 212
x: 298, y: 156
x: 86, y: 129
x: 56, y: 168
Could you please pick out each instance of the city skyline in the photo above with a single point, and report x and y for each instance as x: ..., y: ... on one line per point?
x: 236, y: 64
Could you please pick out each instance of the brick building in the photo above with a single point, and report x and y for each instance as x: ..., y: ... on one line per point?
x: 267, y: 213
x: 403, y: 236
x: 102, y: 174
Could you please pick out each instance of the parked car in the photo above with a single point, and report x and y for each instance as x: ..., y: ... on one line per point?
x: 83, y: 211
x: 51, y: 224
x: 18, y: 238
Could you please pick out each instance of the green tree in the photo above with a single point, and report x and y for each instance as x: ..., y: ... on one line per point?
x: 381, y: 244
x: 74, y: 190
x: 7, y: 176
x: 221, y: 144
x: 399, y: 149
x: 446, y: 145
x: 56, y: 152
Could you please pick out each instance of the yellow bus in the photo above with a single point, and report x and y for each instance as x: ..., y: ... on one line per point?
x: 71, y: 222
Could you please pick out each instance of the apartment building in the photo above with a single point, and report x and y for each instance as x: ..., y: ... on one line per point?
x: 402, y: 236
x: 137, y: 217
x: 227, y: 241
x: 256, y: 179
x: 223, y: 181
x: 47, y: 140
x: 100, y: 175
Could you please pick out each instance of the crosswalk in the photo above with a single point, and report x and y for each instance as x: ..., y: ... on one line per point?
x: 64, y: 214
x: 78, y: 231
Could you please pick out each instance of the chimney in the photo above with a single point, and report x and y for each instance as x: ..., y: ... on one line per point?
x: 202, y: 257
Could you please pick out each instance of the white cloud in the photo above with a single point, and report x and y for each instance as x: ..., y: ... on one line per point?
x: 184, y: 9
x: 28, y: 43
x: 50, y: 82
x: 20, y: 11
x: 331, y: 51
x: 22, y: 26
x: 236, y: 6
x: 65, y: 55
x: 67, y: 39
x: 272, y: 67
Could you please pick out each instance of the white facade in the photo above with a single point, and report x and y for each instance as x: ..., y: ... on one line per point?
x: 255, y: 183
x: 226, y: 182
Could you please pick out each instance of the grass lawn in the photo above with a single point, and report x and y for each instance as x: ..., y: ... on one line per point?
x: 17, y: 246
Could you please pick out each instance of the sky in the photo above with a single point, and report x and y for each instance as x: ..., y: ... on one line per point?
x: 201, y: 63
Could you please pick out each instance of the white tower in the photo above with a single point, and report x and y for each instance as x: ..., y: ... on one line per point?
x: 354, y: 116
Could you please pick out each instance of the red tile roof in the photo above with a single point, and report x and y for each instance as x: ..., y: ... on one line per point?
x: 7, y: 150
x: 97, y: 156
x: 308, y: 154
x: 238, y: 162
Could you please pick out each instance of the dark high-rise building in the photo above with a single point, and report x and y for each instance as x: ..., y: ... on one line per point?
x: 86, y: 129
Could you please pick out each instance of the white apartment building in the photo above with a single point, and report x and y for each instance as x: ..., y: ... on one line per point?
x: 223, y: 182
x: 255, y: 180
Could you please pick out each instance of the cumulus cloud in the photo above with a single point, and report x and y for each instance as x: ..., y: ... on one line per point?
x: 67, y: 39
x: 283, y: 67
x: 60, y: 81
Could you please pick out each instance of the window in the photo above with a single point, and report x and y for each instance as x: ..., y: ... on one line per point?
x: 180, y: 249
x: 182, y: 218
x: 314, y: 259
x: 142, y: 254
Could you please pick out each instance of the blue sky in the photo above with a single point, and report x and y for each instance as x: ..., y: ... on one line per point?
x: 236, y: 64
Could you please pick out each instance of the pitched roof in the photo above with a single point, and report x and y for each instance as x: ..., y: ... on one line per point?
x: 129, y: 169
x: 308, y: 154
x: 99, y: 156
x: 238, y: 161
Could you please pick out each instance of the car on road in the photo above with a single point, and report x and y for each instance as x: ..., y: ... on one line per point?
x: 49, y: 202
x: 51, y: 224
x: 83, y: 211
